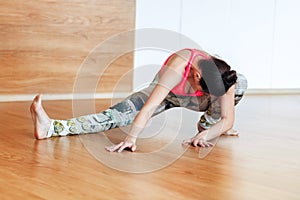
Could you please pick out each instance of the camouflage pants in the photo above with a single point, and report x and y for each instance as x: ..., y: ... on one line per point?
x: 123, y: 113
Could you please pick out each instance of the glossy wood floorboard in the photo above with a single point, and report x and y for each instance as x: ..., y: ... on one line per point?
x: 262, y: 163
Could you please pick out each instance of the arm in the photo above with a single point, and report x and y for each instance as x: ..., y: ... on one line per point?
x: 227, y: 119
x: 171, y: 76
x: 227, y: 115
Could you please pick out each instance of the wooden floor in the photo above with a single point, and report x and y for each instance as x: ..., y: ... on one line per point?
x: 262, y: 163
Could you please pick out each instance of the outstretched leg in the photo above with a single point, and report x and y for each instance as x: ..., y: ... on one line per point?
x: 41, y: 121
x: 121, y: 114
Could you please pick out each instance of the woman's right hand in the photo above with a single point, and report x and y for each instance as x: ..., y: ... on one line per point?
x: 129, y: 142
x: 199, y: 140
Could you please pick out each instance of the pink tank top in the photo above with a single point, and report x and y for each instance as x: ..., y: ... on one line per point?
x: 180, y: 88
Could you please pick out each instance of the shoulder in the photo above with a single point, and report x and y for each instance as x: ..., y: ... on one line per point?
x: 202, y: 53
x: 181, y: 56
x: 178, y: 61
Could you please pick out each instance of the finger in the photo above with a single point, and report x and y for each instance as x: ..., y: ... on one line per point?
x: 123, y: 147
x: 109, y: 148
x: 195, y: 142
x: 207, y: 144
x: 201, y: 144
x: 133, y: 148
x: 115, y: 147
x: 210, y: 144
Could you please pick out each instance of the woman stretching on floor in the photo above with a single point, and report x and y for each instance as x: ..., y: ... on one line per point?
x: 189, y: 78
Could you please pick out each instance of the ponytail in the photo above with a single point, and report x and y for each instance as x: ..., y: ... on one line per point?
x: 229, y: 78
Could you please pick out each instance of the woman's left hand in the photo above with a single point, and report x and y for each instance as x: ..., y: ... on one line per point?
x: 198, y: 140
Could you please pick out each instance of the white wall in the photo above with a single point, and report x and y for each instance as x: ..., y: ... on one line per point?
x: 257, y: 38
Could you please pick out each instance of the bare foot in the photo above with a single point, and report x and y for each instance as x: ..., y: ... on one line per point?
x: 40, y: 118
x: 231, y: 132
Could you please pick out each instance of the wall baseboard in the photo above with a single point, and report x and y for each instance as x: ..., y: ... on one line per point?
x: 120, y: 95
x: 293, y: 91
x: 50, y: 97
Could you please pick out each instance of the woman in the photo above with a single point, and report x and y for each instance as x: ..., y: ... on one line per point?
x: 189, y: 78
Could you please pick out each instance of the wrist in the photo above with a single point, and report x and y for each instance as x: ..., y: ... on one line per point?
x: 202, y: 134
x: 131, y: 138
